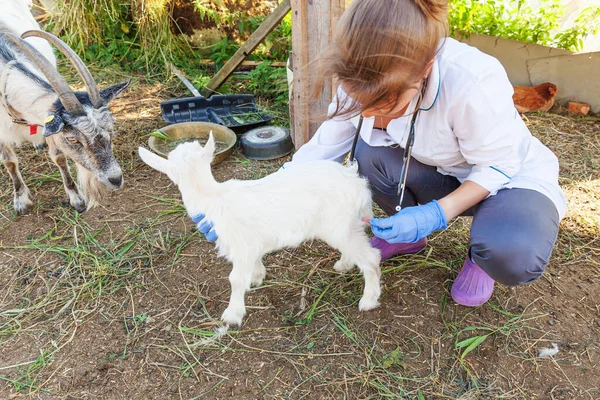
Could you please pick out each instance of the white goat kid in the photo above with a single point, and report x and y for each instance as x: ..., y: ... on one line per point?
x: 316, y: 200
x: 32, y: 93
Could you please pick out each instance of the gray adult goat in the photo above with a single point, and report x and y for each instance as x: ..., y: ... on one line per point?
x: 75, y: 124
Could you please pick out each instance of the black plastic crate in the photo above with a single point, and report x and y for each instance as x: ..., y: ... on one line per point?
x: 232, y: 111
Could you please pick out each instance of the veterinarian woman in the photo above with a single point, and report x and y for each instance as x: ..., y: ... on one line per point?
x: 472, y: 153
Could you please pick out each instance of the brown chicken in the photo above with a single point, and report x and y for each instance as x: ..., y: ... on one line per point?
x: 535, y: 98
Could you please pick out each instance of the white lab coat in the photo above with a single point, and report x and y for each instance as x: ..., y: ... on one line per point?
x: 468, y: 127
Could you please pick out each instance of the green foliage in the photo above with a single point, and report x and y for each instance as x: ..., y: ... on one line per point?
x: 587, y: 23
x: 222, y: 51
x: 276, y: 46
x: 29, y: 376
x: 269, y: 82
x: 134, y: 35
x: 137, y: 35
x: 395, y: 358
x: 470, y: 344
x: 221, y: 17
x: 514, y: 19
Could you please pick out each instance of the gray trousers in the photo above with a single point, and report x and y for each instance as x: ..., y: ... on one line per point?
x: 512, y: 234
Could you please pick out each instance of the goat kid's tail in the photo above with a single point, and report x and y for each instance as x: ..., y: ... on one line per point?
x: 91, y: 188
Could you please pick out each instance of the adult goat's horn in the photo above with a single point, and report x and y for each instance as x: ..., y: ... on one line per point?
x: 75, y: 61
x: 58, y: 83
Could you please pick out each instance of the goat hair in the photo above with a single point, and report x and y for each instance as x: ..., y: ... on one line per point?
x: 33, y: 94
x: 315, y: 200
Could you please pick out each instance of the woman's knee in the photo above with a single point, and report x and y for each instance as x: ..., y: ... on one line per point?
x: 374, y: 163
x: 511, y: 262
x: 513, y: 234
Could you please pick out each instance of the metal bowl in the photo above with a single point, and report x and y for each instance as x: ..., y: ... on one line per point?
x: 225, y: 138
x: 266, y: 142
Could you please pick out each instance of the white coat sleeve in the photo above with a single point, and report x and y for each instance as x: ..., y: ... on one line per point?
x: 491, y: 134
x: 332, y: 141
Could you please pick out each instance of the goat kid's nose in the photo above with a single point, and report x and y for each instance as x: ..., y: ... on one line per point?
x: 116, y: 180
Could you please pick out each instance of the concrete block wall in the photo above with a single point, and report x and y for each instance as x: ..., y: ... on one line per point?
x: 577, y: 75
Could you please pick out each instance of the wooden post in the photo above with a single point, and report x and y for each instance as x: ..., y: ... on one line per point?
x: 248, y: 47
x: 313, y: 23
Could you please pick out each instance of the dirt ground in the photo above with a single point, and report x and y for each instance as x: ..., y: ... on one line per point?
x: 122, y: 302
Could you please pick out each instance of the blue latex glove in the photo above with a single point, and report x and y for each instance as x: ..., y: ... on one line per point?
x: 410, y: 224
x: 205, y: 227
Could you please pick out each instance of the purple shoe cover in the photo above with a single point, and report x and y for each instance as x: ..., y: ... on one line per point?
x: 389, y: 250
x: 472, y: 287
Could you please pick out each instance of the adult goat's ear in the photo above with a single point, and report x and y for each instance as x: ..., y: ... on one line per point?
x: 52, y: 125
x: 154, y: 161
x: 113, y: 91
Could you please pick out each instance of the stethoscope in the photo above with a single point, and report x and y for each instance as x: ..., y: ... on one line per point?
x: 407, y: 149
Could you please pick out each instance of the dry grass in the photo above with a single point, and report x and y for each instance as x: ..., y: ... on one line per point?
x: 139, y: 31
x: 123, y: 301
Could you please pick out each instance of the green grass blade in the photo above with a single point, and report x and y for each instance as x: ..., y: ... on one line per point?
x: 472, y: 345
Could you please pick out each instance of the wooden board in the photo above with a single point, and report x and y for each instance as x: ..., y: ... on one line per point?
x: 244, y: 66
x: 248, y: 47
x: 313, y: 23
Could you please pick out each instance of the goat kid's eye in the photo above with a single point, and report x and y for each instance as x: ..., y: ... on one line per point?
x: 72, y: 140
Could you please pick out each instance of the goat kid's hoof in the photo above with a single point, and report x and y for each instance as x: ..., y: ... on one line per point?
x: 339, y: 266
x: 368, y: 304
x: 257, y: 280
x: 233, y: 317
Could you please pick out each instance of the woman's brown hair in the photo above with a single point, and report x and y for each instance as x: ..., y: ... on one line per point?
x: 379, y: 50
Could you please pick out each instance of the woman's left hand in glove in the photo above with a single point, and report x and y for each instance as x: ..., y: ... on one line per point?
x: 205, y: 227
x: 410, y: 224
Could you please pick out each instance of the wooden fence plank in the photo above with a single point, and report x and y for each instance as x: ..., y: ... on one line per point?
x: 313, y: 22
x: 248, y: 47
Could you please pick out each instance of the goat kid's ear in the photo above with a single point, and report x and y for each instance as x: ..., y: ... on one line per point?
x: 53, y: 124
x: 154, y: 161
x: 113, y: 91
x: 209, y: 147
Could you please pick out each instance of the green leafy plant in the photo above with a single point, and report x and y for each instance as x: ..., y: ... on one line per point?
x: 222, y: 51
x: 140, y: 34
x: 276, y: 46
x: 471, y: 343
x: 587, y: 23
x: 269, y: 82
x: 515, y: 19
x: 133, y: 35
x: 160, y: 135
x: 219, y: 15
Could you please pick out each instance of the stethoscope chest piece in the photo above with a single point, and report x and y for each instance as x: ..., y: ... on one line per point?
x: 352, y: 163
